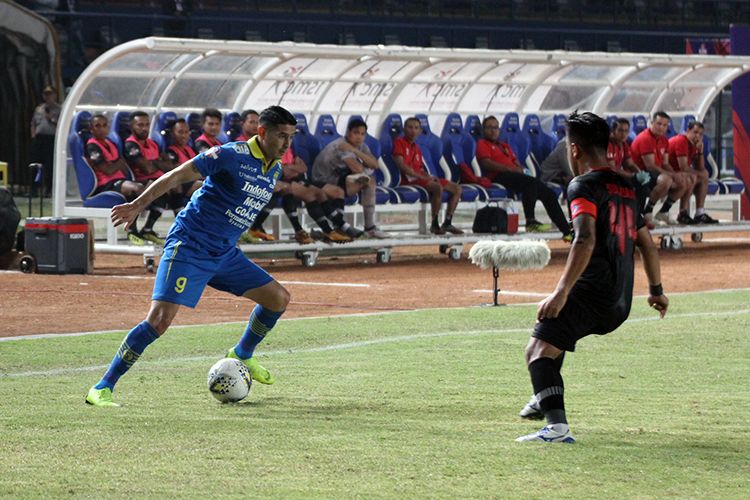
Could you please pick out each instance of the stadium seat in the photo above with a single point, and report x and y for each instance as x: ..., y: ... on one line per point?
x: 80, y: 133
x: 160, y: 130
x: 611, y: 119
x: 119, y: 128
x: 637, y: 125
x: 304, y: 144
x: 558, y: 127
x: 432, y: 150
x: 540, y: 144
x: 510, y: 132
x: 473, y: 127
x: 684, y: 122
x: 459, y: 148
x: 231, y: 127
x: 392, y: 128
x: 671, y: 132
x: 325, y: 130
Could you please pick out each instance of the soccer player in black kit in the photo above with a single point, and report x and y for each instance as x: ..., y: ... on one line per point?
x: 595, y: 290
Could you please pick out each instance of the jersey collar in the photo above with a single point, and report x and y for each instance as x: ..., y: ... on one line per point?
x: 258, y: 153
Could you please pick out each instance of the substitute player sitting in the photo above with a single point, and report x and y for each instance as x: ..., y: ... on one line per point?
x: 686, y: 156
x: 595, y: 291
x: 408, y: 158
x: 201, y: 247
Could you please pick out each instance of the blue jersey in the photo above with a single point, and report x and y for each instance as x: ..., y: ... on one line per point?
x: 239, y: 182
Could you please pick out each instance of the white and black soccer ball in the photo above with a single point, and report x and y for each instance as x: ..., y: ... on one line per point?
x: 229, y: 380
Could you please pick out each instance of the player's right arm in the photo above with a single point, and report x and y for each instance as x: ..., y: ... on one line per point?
x: 584, y: 228
x: 128, y: 212
x: 650, y: 256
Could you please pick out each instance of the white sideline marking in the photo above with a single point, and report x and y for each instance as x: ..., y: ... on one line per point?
x: 346, y: 345
x: 316, y: 283
x: 520, y: 294
x: 726, y: 240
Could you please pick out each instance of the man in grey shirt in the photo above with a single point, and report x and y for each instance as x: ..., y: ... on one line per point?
x: 345, y: 167
x: 555, y: 167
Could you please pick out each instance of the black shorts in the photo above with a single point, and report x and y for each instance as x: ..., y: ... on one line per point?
x: 579, y: 318
x: 115, y: 185
x: 340, y: 183
x: 654, y: 176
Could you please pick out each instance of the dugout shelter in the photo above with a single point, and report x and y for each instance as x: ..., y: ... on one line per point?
x: 183, y: 76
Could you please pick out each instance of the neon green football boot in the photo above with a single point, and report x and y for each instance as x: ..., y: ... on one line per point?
x: 100, y: 397
x: 258, y: 372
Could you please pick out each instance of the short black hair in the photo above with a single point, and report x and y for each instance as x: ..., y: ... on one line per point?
x: 273, y: 116
x: 694, y: 123
x: 179, y: 120
x: 413, y: 119
x: 246, y: 113
x: 589, y: 131
x: 355, y: 123
x: 99, y: 116
x: 136, y: 114
x: 620, y: 121
x: 661, y: 114
x: 488, y: 118
x: 212, y: 112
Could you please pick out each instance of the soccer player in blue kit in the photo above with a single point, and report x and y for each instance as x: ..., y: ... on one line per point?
x: 201, y: 245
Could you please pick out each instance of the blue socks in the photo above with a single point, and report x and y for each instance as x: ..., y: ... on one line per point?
x: 131, y: 349
x: 261, y: 322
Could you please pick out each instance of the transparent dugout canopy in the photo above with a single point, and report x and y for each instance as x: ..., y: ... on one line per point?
x: 186, y: 75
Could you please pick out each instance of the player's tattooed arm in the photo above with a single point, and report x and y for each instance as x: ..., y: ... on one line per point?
x: 584, y: 227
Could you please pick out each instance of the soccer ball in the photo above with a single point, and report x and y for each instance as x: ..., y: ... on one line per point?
x: 229, y: 380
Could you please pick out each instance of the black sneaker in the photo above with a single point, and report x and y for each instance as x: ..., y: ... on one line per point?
x: 450, y: 228
x: 704, y: 218
x: 436, y: 229
x: 685, y: 219
x: 353, y: 232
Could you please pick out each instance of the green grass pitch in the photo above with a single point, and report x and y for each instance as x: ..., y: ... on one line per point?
x: 418, y: 404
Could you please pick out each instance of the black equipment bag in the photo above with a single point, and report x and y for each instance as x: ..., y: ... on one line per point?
x: 491, y: 219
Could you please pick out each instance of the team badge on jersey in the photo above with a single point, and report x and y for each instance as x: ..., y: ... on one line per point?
x: 242, y: 148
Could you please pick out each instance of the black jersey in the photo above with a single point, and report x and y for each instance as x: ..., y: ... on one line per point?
x: 613, y: 200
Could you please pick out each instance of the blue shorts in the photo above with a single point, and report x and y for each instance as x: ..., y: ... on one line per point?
x: 185, y: 269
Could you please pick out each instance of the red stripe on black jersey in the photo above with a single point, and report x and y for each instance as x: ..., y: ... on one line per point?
x: 582, y: 206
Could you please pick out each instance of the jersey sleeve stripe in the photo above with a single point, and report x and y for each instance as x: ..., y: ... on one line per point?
x: 582, y: 206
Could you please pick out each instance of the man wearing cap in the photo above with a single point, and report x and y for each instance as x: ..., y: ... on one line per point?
x: 43, y: 128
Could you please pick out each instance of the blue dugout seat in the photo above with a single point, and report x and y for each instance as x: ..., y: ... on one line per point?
x: 325, y: 130
x: 160, y: 129
x: 611, y: 119
x: 510, y: 132
x: 473, y: 127
x: 432, y: 150
x: 304, y: 144
x: 557, y: 131
x: 638, y: 124
x: 80, y: 133
x: 119, y: 128
x: 460, y: 147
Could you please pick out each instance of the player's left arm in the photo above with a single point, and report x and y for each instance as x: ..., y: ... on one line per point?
x: 584, y: 228
x: 650, y: 255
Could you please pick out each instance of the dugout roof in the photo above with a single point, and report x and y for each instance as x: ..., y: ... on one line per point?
x: 184, y: 75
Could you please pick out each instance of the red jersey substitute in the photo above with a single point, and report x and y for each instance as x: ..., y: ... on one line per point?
x: 647, y: 143
x: 618, y: 153
x: 680, y: 145
x: 412, y: 157
x: 99, y: 152
x: 204, y: 142
x: 499, y: 152
x: 180, y: 155
x: 148, y: 150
